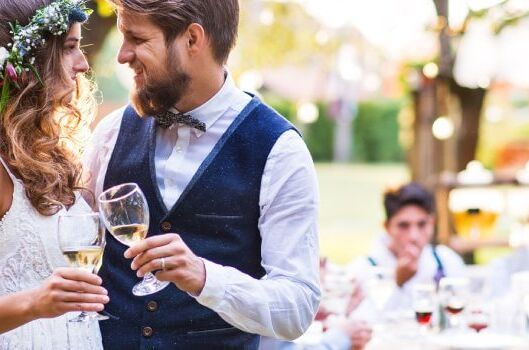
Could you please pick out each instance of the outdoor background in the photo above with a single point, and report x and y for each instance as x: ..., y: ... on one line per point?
x: 384, y: 91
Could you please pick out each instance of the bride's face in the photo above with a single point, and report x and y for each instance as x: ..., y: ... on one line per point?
x: 74, y: 60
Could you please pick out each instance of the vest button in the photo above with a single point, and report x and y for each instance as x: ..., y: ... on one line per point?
x: 166, y: 226
x: 152, y: 306
x: 147, y: 332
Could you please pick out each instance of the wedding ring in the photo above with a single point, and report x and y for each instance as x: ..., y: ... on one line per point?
x: 163, y: 264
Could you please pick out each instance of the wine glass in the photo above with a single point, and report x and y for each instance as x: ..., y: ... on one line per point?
x: 423, y: 305
x: 380, y: 286
x: 454, y: 293
x: 125, y: 213
x: 477, y: 316
x: 82, y: 242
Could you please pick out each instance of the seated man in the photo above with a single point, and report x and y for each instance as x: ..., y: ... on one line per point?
x: 406, y: 248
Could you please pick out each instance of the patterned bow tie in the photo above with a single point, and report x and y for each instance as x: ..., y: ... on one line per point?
x: 169, y: 118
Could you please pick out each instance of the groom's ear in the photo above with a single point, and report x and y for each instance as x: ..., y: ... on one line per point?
x: 196, y: 38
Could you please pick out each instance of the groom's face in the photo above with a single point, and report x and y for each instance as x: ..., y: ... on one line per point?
x: 160, y: 80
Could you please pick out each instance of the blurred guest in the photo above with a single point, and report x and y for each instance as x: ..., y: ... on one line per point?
x: 502, y: 269
x: 346, y: 334
x: 405, y: 248
x: 340, y: 333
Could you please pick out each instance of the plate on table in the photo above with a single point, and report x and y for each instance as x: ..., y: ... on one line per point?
x: 480, y: 341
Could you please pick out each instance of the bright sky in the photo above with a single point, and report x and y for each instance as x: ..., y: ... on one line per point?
x: 398, y: 28
x: 395, y: 25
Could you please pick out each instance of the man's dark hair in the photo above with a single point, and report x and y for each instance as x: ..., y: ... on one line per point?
x: 219, y: 18
x: 409, y: 194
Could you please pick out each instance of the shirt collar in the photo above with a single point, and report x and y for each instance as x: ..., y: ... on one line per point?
x: 215, y: 107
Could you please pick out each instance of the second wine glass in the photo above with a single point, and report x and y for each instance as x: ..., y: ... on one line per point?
x: 82, y: 242
x: 125, y: 213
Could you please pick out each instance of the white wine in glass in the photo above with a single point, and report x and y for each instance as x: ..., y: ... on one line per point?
x: 129, y: 234
x: 82, y: 242
x: 125, y: 213
x: 83, y: 257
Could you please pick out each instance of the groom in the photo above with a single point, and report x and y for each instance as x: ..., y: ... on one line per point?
x: 231, y: 189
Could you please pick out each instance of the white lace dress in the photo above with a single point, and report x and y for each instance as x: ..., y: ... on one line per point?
x: 29, y: 251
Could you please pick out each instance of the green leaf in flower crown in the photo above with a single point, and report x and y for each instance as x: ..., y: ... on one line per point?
x: 4, y: 97
x: 36, y: 74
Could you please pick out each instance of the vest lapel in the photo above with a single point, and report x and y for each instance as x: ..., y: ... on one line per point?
x: 152, y: 166
x: 209, y: 159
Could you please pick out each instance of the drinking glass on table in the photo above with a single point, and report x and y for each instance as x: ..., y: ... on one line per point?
x: 82, y: 242
x: 477, y: 316
x: 454, y: 293
x: 424, y: 304
x: 380, y: 286
x: 125, y: 213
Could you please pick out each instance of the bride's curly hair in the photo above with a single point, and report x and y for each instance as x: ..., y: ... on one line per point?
x: 44, y: 126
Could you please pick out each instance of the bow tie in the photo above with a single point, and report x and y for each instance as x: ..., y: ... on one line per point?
x: 169, y: 118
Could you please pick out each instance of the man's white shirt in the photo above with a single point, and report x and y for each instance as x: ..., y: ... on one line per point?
x: 283, y: 303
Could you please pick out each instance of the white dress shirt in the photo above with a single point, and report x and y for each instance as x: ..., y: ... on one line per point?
x: 333, y: 339
x: 283, y: 303
x: 401, y: 298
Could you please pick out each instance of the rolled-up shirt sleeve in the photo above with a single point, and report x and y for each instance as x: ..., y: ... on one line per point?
x: 283, y: 303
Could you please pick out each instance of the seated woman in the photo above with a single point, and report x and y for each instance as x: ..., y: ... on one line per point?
x: 42, y: 94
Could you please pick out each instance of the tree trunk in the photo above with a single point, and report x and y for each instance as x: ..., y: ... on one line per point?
x: 471, y: 103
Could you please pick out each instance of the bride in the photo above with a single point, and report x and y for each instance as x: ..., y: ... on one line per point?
x: 42, y: 90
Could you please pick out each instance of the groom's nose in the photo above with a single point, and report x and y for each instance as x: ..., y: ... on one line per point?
x: 125, y: 54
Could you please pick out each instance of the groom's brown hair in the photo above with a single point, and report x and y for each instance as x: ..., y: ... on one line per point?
x: 219, y: 18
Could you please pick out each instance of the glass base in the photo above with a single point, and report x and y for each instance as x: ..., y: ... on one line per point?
x: 149, y: 285
x: 89, y: 316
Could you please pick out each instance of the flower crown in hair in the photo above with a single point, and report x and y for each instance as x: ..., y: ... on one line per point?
x: 54, y: 19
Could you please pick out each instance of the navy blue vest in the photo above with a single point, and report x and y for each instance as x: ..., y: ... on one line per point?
x: 217, y: 217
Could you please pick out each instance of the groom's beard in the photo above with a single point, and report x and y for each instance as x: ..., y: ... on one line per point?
x: 160, y: 91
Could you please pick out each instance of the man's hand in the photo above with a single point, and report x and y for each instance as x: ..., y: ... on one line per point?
x: 68, y: 289
x: 182, y: 266
x: 407, y: 264
x: 358, y: 332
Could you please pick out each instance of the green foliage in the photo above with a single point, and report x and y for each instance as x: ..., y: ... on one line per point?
x: 288, y: 40
x: 376, y: 132
x: 319, y: 136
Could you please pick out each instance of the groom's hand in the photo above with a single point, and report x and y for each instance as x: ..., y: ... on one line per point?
x: 182, y: 266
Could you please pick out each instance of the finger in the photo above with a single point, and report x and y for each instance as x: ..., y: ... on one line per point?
x: 149, y: 243
x: 84, y: 298
x: 414, y: 250
x: 81, y: 287
x: 79, y: 275
x: 155, y: 253
x: 166, y: 275
x: 156, y: 265
x: 87, y: 307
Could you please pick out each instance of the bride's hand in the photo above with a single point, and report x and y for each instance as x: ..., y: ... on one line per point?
x: 68, y: 289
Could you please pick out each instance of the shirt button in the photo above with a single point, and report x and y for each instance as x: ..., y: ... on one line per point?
x: 147, y: 332
x: 166, y: 226
x: 152, y: 306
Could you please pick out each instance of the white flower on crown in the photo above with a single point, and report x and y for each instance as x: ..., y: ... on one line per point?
x: 4, y: 54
